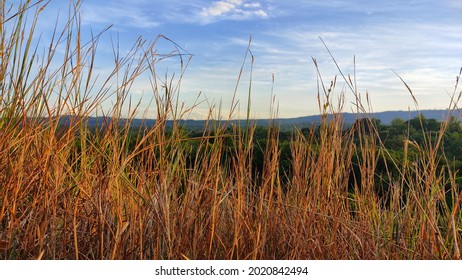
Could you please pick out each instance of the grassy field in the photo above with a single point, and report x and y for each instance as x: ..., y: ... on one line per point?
x: 75, y: 192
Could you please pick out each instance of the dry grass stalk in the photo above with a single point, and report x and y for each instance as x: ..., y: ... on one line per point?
x: 116, y: 192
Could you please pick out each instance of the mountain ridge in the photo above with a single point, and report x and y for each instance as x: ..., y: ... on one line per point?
x: 385, y: 117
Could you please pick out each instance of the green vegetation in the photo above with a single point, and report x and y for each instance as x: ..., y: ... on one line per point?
x: 115, y: 191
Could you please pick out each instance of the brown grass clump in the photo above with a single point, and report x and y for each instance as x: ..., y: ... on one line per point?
x: 115, y: 191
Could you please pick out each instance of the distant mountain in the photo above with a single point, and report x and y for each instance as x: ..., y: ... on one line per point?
x: 384, y: 117
x: 349, y: 118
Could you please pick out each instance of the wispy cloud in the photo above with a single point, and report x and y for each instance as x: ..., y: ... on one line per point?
x: 221, y: 7
x: 234, y: 9
x: 455, y: 4
x: 118, y: 14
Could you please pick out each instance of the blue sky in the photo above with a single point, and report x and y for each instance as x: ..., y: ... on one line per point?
x: 420, y: 40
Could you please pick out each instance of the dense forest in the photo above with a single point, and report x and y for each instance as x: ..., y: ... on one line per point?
x: 399, y: 142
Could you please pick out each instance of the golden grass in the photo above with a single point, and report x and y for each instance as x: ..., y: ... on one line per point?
x: 70, y: 192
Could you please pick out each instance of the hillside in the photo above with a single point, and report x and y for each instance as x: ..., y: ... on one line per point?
x: 384, y: 117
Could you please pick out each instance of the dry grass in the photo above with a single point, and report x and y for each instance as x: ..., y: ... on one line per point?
x: 69, y: 192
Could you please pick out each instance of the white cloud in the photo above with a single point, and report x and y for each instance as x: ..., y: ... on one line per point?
x: 234, y: 9
x: 220, y: 8
x: 252, y: 5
